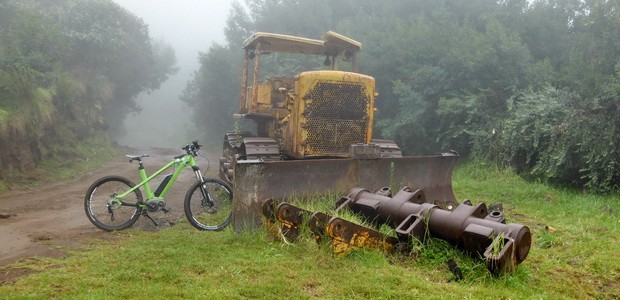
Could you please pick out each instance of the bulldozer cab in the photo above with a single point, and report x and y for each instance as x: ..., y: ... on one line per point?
x: 332, y: 46
x: 316, y: 113
x: 262, y: 98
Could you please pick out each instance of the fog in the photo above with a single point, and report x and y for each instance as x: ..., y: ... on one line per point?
x: 189, y: 26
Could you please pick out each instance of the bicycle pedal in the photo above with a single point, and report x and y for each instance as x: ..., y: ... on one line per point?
x: 166, y: 210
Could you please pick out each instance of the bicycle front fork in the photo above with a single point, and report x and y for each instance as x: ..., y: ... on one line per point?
x: 207, y: 201
x: 198, y: 174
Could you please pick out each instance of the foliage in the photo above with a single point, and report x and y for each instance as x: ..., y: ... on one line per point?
x: 67, y: 161
x: 567, y: 131
x: 559, y: 136
x: 25, y: 98
x: 213, y: 92
x: 577, y: 260
x: 464, y: 75
x: 70, y: 70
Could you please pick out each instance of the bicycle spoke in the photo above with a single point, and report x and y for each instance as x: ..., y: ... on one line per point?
x: 212, y: 212
x: 108, y: 212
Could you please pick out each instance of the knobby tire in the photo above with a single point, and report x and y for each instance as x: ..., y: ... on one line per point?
x: 213, y: 216
x: 96, y: 203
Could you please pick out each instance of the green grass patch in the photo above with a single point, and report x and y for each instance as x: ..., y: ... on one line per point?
x: 71, y: 161
x: 576, y: 241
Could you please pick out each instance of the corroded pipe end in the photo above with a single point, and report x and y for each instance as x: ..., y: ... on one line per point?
x: 523, y: 241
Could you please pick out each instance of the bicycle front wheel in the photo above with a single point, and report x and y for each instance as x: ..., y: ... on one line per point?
x: 208, y: 205
x: 108, y: 212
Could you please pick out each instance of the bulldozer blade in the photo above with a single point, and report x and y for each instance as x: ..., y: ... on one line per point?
x: 347, y: 236
x: 257, y: 180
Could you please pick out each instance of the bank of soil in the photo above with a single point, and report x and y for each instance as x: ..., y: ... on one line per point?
x: 49, y: 220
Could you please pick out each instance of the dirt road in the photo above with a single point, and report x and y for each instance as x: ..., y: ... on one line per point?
x: 50, y: 219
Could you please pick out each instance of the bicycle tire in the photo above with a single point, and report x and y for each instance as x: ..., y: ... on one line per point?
x: 115, y: 217
x: 203, y: 216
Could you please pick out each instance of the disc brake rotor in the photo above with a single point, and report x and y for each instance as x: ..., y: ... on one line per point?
x: 209, y: 206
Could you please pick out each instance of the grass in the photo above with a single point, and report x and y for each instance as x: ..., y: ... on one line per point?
x: 86, y: 156
x: 574, y: 255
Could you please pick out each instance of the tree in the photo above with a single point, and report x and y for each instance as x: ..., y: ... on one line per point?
x: 213, y: 93
x: 499, y: 80
x: 70, y: 70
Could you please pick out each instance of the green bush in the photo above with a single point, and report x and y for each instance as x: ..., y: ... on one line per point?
x: 564, y: 138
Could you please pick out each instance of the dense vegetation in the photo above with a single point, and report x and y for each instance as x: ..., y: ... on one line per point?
x: 532, y: 84
x: 69, y: 73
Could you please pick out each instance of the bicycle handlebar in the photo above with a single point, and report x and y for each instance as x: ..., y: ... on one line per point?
x: 192, y: 149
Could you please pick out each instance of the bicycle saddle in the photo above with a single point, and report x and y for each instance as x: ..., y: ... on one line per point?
x: 136, y: 157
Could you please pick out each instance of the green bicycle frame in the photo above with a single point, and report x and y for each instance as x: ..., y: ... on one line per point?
x: 180, y: 161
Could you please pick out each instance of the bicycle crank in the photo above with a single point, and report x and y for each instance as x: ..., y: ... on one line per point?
x: 153, y: 205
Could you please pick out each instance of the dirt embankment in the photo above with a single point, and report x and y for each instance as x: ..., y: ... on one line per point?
x: 50, y: 219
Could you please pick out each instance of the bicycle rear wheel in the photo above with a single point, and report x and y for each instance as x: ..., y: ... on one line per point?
x: 213, y: 212
x: 106, y: 211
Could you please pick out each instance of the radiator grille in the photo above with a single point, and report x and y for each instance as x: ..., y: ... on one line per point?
x: 336, y: 118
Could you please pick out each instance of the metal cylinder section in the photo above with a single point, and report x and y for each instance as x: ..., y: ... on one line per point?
x: 472, y: 228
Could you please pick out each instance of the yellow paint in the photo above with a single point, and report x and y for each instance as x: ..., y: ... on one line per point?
x: 307, y: 81
x: 360, y: 239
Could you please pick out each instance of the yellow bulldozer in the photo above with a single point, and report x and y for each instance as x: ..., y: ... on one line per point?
x: 314, y: 137
x: 314, y: 132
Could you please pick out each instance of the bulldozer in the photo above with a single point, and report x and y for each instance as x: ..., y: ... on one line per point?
x: 313, y: 137
x: 314, y: 131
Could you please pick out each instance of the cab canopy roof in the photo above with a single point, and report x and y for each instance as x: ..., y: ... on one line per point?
x: 332, y: 44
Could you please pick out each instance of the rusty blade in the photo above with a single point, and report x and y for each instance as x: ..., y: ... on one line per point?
x: 269, y: 212
x: 256, y: 180
x: 318, y: 225
x: 347, y: 236
x: 291, y: 219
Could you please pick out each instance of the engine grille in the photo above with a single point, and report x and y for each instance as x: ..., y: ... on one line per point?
x: 336, y: 118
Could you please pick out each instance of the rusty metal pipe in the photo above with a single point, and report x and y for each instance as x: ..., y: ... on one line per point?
x: 504, y: 246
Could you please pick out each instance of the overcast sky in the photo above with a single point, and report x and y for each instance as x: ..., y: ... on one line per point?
x: 189, y: 26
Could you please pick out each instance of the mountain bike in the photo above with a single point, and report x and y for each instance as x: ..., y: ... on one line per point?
x: 116, y: 203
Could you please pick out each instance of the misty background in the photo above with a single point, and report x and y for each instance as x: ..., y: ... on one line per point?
x: 533, y: 85
x: 189, y: 26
